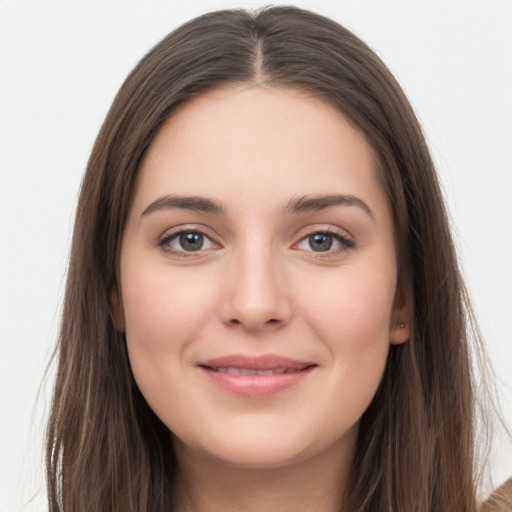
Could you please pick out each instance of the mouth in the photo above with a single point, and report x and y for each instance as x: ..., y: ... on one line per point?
x: 233, y: 370
x: 255, y: 377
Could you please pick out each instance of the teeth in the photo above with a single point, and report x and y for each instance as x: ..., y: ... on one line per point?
x: 231, y: 370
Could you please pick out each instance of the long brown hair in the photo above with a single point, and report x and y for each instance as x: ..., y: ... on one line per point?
x: 106, y: 449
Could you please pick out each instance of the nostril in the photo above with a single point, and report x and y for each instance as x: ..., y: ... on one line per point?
x: 235, y: 322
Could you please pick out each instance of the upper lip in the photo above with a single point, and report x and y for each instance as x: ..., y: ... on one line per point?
x: 262, y: 362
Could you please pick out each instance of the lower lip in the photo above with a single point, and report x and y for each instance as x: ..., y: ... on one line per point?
x: 256, y: 386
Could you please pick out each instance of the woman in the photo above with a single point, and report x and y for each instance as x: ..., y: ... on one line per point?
x: 263, y: 308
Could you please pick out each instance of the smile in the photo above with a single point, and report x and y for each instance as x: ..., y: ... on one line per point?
x: 232, y: 370
x: 255, y: 377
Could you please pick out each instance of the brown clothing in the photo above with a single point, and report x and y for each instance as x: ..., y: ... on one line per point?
x: 500, y: 500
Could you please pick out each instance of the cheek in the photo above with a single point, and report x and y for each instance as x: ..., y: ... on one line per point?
x: 353, y: 324
x: 352, y: 319
x: 165, y: 312
x: 353, y: 312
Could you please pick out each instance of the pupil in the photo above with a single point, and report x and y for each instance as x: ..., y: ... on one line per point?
x: 191, y: 241
x: 320, y: 242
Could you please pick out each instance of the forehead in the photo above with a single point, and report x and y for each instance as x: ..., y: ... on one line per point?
x: 248, y: 140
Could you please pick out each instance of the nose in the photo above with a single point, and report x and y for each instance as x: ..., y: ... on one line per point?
x: 256, y: 296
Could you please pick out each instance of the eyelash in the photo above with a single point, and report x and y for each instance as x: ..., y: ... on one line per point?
x: 345, y: 242
x: 164, y: 242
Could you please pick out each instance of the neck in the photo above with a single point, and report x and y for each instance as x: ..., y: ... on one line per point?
x: 315, y: 484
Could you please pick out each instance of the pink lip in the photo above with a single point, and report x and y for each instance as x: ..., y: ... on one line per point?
x: 237, y: 373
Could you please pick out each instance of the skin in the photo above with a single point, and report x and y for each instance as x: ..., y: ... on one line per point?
x: 260, y: 286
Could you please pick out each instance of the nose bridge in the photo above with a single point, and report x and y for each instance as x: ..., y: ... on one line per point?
x: 257, y: 295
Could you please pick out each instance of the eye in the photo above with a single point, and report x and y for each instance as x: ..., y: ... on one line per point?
x: 186, y: 242
x: 325, y: 241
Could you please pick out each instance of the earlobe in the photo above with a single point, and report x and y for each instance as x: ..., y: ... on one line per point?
x: 400, y: 332
x: 116, y: 310
x: 400, y: 328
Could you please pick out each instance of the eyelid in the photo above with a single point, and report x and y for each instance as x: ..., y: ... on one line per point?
x: 172, y: 233
x: 342, y: 236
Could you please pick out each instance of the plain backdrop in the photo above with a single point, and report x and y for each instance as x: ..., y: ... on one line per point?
x: 61, y: 64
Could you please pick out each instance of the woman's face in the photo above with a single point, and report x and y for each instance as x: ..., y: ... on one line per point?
x: 258, y: 277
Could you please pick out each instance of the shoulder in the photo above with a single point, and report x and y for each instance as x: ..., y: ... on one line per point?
x: 500, y: 500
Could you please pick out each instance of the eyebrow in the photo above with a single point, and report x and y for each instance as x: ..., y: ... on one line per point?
x: 193, y: 203
x: 323, y: 202
x: 295, y: 205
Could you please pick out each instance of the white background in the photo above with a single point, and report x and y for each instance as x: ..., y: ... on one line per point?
x: 60, y: 66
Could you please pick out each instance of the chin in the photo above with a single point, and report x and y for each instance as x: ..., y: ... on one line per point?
x: 266, y: 446
x: 257, y: 455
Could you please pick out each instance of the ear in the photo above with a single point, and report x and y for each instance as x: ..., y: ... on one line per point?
x: 116, y: 309
x: 400, y: 328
